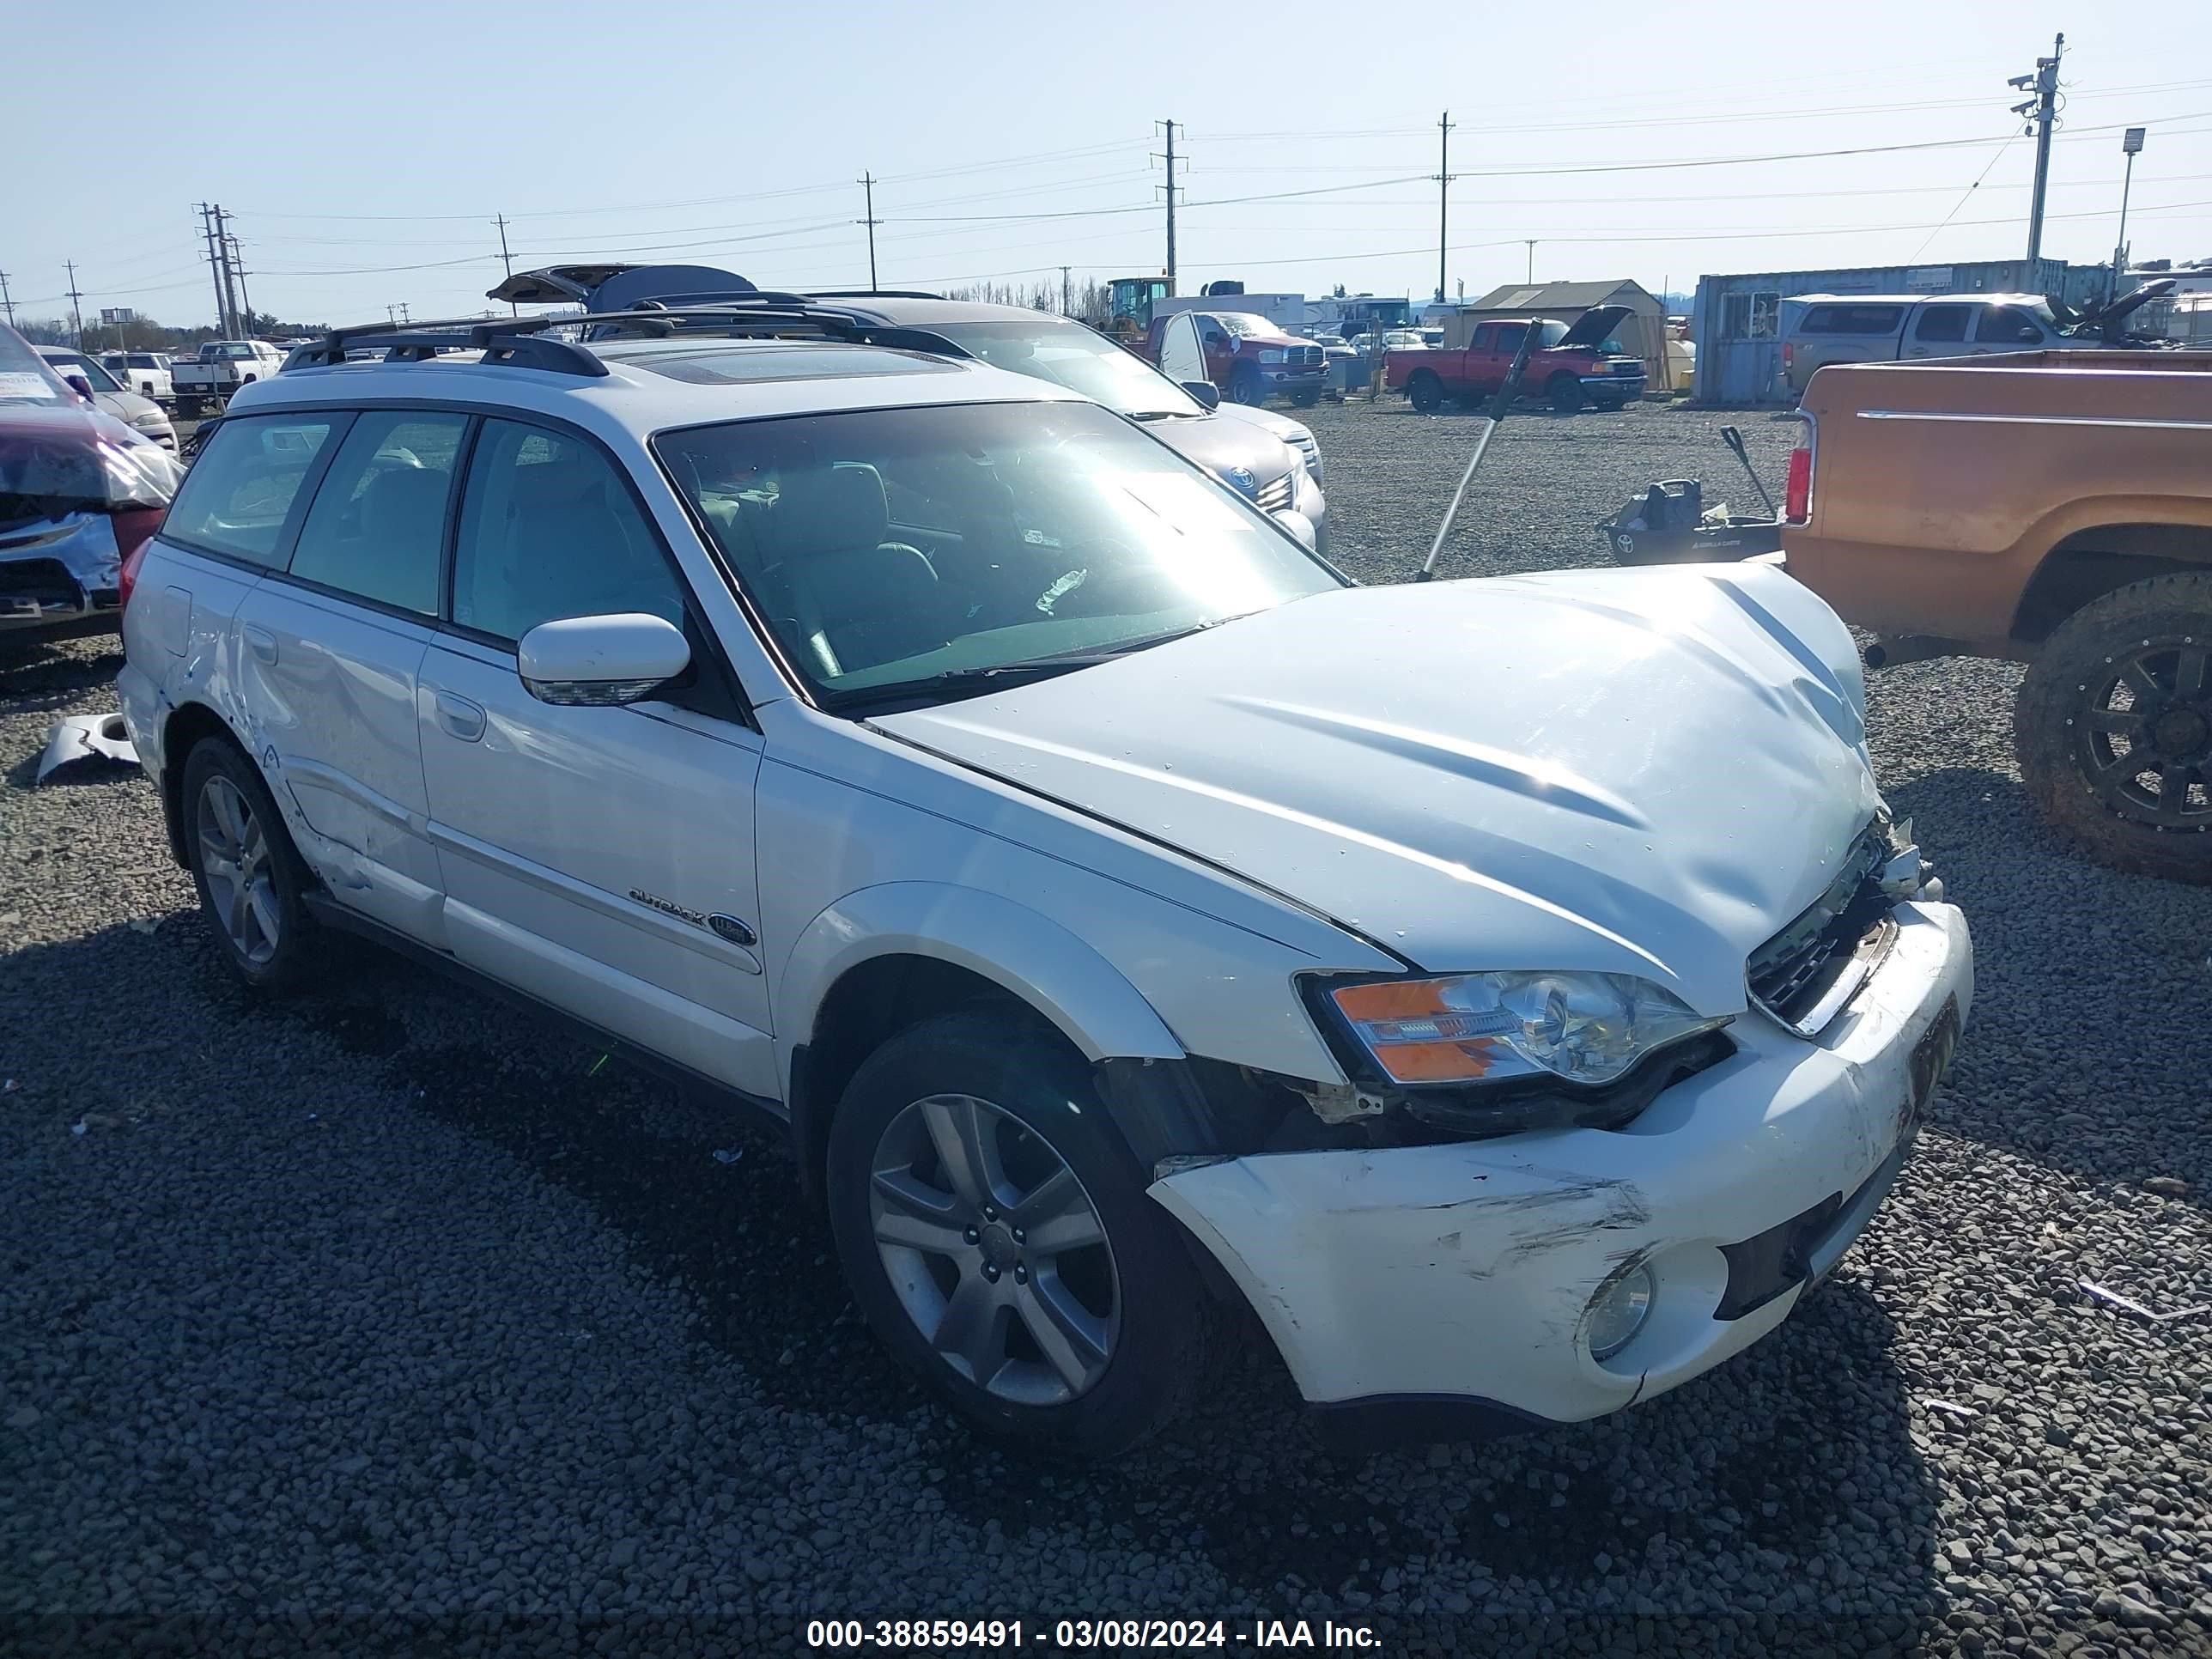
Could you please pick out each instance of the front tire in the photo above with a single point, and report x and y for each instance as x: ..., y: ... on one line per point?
x: 2113, y: 727
x: 1246, y: 387
x: 1425, y: 391
x: 1564, y: 393
x: 249, y: 876
x: 997, y: 1237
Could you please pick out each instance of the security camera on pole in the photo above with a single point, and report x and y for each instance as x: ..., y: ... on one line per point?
x: 2042, y: 113
x: 2131, y: 143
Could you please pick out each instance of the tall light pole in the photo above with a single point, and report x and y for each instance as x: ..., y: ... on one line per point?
x: 2131, y: 143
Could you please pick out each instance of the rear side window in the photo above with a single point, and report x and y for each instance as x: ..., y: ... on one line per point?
x: 1851, y: 320
x: 378, y: 527
x: 549, y: 530
x: 240, y: 492
x: 1942, y: 322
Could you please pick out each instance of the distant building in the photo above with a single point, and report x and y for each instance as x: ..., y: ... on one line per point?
x: 1736, y: 321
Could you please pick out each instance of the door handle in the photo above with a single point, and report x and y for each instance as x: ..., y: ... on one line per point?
x: 261, y: 642
x: 459, y: 718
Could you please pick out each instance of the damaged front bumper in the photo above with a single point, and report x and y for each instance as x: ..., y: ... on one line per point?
x: 1414, y: 1280
x: 64, y: 569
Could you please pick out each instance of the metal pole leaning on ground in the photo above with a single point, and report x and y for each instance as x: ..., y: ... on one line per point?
x: 1496, y: 418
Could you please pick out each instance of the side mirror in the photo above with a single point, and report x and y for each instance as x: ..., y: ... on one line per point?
x: 2031, y: 336
x: 1204, y: 391
x: 1217, y: 341
x: 81, y: 386
x: 601, y: 661
x: 1299, y: 525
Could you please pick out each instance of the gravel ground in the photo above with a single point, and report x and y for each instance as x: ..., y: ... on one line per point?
x: 384, y: 1319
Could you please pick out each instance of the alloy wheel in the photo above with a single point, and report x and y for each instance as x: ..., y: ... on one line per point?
x: 2144, y: 731
x: 236, y: 864
x: 994, y: 1249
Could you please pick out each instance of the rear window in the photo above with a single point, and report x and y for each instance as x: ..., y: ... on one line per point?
x: 240, y: 493
x: 1851, y: 320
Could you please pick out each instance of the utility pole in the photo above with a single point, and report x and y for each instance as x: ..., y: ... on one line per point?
x: 245, y: 304
x: 76, y: 311
x: 2042, y: 113
x: 507, y: 259
x: 867, y: 182
x: 7, y: 302
x: 1531, y: 242
x: 232, y: 328
x: 1170, y: 159
x: 1065, y: 310
x: 1444, y: 196
x: 214, y: 268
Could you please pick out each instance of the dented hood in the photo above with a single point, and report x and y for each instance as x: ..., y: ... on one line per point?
x: 1637, y: 771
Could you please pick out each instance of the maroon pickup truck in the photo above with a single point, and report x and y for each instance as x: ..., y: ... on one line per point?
x: 1244, y: 354
x: 1568, y: 367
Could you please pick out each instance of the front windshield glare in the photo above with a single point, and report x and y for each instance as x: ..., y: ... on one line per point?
x: 920, y: 548
x: 1070, y: 355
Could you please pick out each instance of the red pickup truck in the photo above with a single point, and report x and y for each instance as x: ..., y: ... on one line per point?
x: 1569, y: 365
x: 1247, y: 357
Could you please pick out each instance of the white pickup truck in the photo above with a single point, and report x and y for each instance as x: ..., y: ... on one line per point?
x: 222, y: 367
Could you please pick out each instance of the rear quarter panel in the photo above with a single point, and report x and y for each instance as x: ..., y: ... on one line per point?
x: 1939, y: 488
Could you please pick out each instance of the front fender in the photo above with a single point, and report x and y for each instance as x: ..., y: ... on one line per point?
x: 1034, y: 958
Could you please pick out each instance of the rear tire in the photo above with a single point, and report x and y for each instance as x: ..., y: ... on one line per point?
x: 1426, y: 392
x: 1082, y: 1343
x: 250, y: 878
x: 1564, y: 393
x: 2123, y: 680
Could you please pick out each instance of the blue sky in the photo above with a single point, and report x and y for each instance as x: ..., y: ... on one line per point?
x: 362, y: 172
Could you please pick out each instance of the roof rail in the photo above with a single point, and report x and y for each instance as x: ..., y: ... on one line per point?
x: 520, y: 341
x: 511, y: 341
x: 873, y: 293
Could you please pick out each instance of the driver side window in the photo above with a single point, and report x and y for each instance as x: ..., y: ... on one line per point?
x: 547, y: 531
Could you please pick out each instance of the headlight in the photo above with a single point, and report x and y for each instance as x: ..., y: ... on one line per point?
x: 1271, y: 354
x: 152, y: 420
x: 1469, y: 1028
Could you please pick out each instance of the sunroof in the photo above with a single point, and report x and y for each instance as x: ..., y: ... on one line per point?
x: 725, y: 365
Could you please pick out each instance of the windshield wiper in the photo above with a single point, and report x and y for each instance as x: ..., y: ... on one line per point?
x: 1021, y: 670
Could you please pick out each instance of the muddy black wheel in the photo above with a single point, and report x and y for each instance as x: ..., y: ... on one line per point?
x: 1565, y: 394
x: 1245, y: 387
x: 998, y: 1238
x: 1426, y: 390
x: 2114, y: 727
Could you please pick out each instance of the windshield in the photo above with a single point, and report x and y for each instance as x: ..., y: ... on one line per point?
x: 25, y: 376
x: 915, y: 552
x: 1246, y: 326
x: 1549, y: 334
x: 1070, y: 355
x: 76, y: 362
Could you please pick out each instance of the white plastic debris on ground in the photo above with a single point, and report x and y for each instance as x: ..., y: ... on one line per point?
x: 78, y: 738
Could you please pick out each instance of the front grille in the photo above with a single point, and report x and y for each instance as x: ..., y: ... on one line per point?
x: 1793, y: 973
x: 1628, y: 368
x: 1276, y: 497
x: 1303, y: 357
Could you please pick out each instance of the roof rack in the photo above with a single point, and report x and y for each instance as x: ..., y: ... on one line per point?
x: 520, y: 342
x: 873, y: 293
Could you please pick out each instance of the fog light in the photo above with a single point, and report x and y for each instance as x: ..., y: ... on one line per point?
x: 1618, y: 1311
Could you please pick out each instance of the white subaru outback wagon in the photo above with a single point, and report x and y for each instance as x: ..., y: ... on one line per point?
x: 1515, y: 990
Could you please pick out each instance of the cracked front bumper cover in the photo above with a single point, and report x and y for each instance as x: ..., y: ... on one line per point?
x: 1462, y: 1272
x: 59, y: 570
